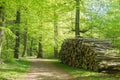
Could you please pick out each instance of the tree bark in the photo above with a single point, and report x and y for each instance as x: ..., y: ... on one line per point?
x: 39, y: 55
x: 17, y: 43
x: 31, y: 47
x: 25, y: 43
x: 55, y: 41
x: 2, y: 23
x: 55, y: 35
x: 77, y: 20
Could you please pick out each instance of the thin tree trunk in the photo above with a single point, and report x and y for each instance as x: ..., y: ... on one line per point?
x: 1, y: 38
x: 55, y: 35
x: 17, y: 43
x: 77, y: 30
x: 39, y: 55
x: 2, y: 23
x: 25, y: 43
x: 31, y: 47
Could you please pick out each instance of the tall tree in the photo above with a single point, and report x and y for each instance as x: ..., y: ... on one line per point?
x: 77, y: 30
x: 55, y: 34
x: 25, y: 42
x: 40, y: 55
x: 2, y: 23
x: 31, y: 47
x: 17, y: 43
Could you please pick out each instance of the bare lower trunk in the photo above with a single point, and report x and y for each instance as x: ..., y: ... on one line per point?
x: 17, y: 43
x: 77, y: 30
x: 1, y: 37
x: 31, y: 48
x: 55, y: 36
x: 39, y: 50
x: 25, y: 44
x: 2, y: 23
x: 0, y: 47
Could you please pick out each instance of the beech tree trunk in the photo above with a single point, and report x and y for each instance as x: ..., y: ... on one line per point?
x: 39, y: 55
x: 17, y: 43
x: 77, y: 20
x: 31, y: 47
x: 2, y: 23
x: 55, y: 35
x: 25, y: 43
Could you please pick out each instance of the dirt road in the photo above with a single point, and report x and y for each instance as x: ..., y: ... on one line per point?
x: 43, y: 69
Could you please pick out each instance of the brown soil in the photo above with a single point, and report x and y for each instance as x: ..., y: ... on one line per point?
x: 43, y: 69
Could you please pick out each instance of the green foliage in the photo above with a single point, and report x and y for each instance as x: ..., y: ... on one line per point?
x: 48, y: 52
x: 99, y: 17
x: 9, y: 33
x: 7, y: 55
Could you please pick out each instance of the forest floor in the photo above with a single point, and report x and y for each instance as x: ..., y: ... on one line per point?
x: 44, y: 69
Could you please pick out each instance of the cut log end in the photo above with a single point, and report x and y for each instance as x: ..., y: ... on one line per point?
x: 86, y: 53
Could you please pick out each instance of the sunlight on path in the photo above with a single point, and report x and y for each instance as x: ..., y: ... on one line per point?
x: 43, y: 69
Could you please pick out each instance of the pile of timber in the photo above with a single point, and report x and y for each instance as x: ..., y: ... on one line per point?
x: 108, y: 63
x: 87, y: 54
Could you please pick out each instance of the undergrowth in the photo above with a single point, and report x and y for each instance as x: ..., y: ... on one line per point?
x: 14, y: 70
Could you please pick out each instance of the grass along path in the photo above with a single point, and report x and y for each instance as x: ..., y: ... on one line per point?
x: 14, y: 70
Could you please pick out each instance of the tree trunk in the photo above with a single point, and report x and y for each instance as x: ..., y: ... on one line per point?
x: 2, y: 23
x: 25, y: 43
x: 31, y: 47
x: 17, y: 44
x: 39, y: 51
x: 55, y: 40
x: 77, y: 30
x: 55, y: 35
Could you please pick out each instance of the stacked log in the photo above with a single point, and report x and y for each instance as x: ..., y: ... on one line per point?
x: 85, y: 53
x: 77, y: 53
x: 108, y: 63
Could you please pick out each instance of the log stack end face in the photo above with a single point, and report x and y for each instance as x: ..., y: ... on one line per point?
x: 77, y: 53
x: 87, y: 54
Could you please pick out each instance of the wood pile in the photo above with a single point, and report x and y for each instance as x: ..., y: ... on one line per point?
x: 86, y: 53
x: 108, y: 63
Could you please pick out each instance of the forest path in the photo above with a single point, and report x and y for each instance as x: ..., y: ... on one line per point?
x: 44, y: 69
